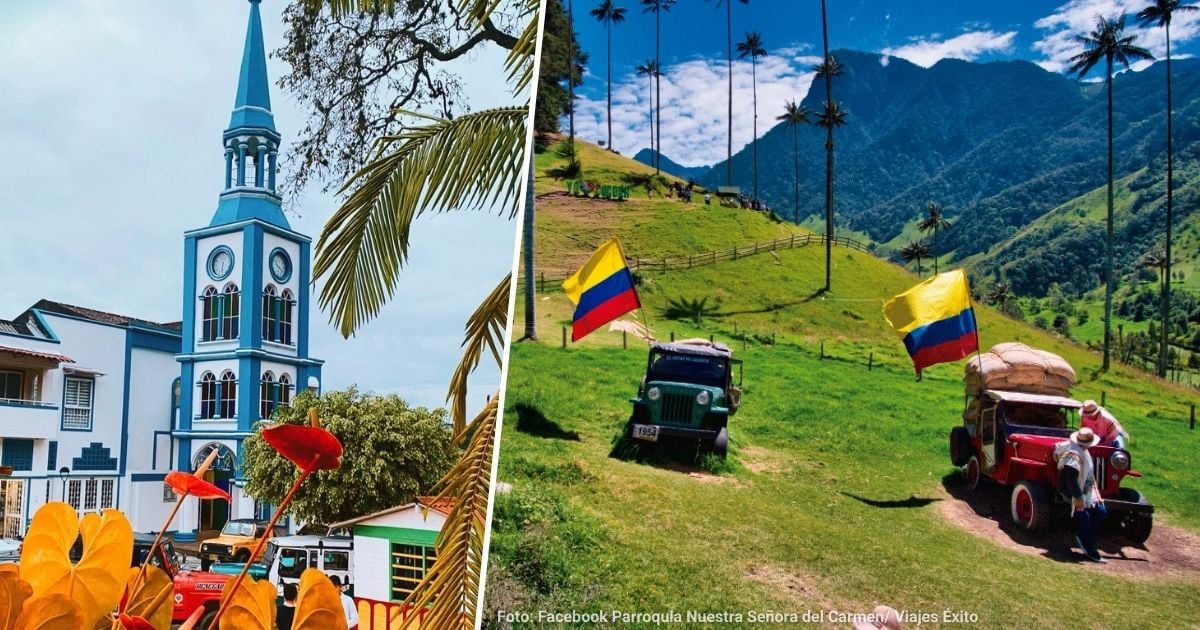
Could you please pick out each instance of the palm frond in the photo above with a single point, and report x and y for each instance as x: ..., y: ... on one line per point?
x: 461, y: 164
x: 485, y: 329
x: 450, y: 588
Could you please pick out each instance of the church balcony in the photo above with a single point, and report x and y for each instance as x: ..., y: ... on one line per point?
x: 28, y: 418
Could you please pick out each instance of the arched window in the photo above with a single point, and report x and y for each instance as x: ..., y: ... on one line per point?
x: 208, y: 396
x: 210, y: 313
x: 228, y: 395
x: 285, y: 317
x: 269, y: 318
x: 285, y: 390
x: 268, y: 396
x: 230, y: 310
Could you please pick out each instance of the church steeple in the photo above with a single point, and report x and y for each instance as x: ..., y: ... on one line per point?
x: 251, y: 141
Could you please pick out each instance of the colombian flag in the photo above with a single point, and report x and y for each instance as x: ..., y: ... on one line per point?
x: 602, y: 290
x: 936, y: 320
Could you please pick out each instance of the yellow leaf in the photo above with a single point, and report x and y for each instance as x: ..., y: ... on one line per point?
x: 151, y: 597
x: 319, y: 603
x: 89, y: 526
x: 13, y: 593
x: 96, y: 583
x: 251, y: 608
x: 51, y: 612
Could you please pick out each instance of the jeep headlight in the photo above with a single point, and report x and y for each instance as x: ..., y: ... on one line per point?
x: 703, y: 398
x: 1120, y: 460
x: 653, y: 393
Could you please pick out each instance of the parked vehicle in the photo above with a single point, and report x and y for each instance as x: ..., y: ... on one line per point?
x: 10, y: 550
x: 236, y: 542
x: 687, y: 392
x: 288, y: 556
x: 1009, y: 437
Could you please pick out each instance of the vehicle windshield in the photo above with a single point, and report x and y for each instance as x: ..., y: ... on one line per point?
x: 686, y: 368
x: 292, y: 562
x: 1047, y: 420
x: 234, y: 528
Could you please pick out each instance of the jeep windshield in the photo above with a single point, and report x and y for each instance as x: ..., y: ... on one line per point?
x: 686, y: 368
x: 234, y: 528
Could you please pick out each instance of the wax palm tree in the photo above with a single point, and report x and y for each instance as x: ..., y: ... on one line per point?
x: 657, y: 7
x: 832, y: 116
x: 1108, y: 43
x: 609, y: 14
x: 1000, y: 295
x: 1159, y: 14
x: 729, y: 72
x: 436, y: 166
x: 915, y: 250
x: 752, y: 47
x: 795, y: 115
x: 527, y: 254
x: 827, y: 69
x: 649, y: 69
x: 933, y: 222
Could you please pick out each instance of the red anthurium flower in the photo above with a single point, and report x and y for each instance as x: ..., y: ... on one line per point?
x: 186, y: 484
x: 135, y: 623
x: 310, y: 448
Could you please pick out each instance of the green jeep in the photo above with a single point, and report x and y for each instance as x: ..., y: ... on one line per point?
x: 688, y: 392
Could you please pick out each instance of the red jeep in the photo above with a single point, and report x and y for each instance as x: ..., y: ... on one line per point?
x: 192, y: 588
x: 1010, y: 437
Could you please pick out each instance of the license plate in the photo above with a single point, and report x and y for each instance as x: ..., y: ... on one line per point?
x: 647, y: 432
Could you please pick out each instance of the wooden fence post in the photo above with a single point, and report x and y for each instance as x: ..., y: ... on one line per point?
x: 1103, y: 398
x: 624, y: 340
x: 542, y: 284
x: 735, y: 252
x: 1193, y: 427
x: 743, y: 341
x: 710, y: 338
x: 564, y: 336
x: 871, y: 362
x: 672, y: 336
x: 822, y: 347
x: 772, y: 337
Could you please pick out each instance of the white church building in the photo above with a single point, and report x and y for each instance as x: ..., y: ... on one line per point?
x: 96, y: 408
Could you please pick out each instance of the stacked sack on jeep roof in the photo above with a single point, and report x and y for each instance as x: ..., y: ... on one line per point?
x: 1019, y: 368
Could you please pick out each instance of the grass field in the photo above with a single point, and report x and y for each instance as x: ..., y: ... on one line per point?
x: 837, y: 488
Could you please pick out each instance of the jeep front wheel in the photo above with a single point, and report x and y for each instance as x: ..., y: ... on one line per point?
x: 972, y: 472
x: 721, y: 443
x: 1136, y: 527
x: 242, y: 556
x: 1030, y: 506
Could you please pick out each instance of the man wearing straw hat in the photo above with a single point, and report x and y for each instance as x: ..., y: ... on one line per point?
x: 1103, y: 423
x: 1077, y: 483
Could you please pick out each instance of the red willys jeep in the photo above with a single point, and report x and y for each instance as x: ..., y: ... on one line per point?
x: 1009, y: 437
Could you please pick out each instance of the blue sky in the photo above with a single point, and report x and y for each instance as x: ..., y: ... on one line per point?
x: 111, y: 125
x: 923, y: 32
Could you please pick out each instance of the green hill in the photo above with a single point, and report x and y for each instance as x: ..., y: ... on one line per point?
x: 838, y: 493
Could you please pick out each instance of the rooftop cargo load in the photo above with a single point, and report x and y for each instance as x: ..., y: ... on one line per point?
x: 1017, y: 367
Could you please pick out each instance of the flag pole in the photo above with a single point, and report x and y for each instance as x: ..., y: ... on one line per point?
x: 641, y: 311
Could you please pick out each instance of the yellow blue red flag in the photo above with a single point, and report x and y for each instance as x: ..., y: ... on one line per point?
x: 936, y: 320
x: 602, y: 290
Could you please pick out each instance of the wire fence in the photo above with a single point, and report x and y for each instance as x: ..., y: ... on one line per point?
x: 673, y: 263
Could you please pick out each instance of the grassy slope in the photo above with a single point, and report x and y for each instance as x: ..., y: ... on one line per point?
x: 584, y: 531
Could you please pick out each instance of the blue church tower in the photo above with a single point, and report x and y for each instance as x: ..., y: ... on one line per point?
x: 245, y: 303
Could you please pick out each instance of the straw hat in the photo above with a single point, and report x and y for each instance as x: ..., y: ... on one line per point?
x: 881, y: 617
x: 1085, y: 437
x: 1090, y: 407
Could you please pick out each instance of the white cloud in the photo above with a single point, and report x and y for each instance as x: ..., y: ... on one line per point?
x: 1062, y: 28
x: 695, y: 105
x: 968, y: 46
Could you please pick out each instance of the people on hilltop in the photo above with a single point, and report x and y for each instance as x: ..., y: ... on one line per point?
x: 1103, y: 424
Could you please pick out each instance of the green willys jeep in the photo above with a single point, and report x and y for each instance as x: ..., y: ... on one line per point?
x: 688, y: 392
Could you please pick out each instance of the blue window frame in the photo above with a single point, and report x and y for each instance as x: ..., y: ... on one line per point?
x: 17, y: 453
x: 52, y: 456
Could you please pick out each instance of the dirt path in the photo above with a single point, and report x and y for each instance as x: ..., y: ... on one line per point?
x: 1169, y: 553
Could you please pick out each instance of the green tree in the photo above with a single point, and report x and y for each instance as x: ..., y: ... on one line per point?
x: 608, y: 14
x: 752, y: 47
x: 649, y: 69
x: 795, y: 115
x: 729, y: 74
x: 393, y: 453
x: 915, y: 250
x: 832, y: 116
x: 933, y: 222
x: 1108, y: 43
x: 1159, y: 13
x: 559, y: 45
x: 657, y: 7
